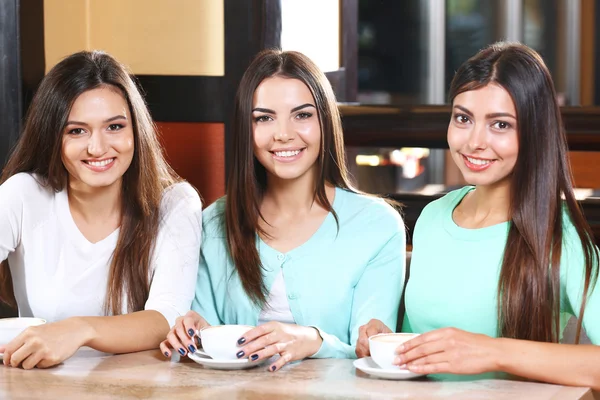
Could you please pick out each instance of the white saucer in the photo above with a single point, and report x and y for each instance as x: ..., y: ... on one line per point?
x: 204, y: 359
x: 368, y: 366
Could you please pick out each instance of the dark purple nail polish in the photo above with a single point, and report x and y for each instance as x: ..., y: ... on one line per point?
x: 254, y: 357
x: 273, y: 368
x: 182, y: 351
x: 242, y: 340
x: 166, y: 354
x: 191, y: 332
x: 192, y: 348
x: 240, y: 354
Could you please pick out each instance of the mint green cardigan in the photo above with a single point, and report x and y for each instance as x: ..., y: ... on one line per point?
x: 335, y: 282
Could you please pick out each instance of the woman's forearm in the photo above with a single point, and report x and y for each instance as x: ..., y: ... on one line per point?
x: 142, y: 330
x: 565, y: 364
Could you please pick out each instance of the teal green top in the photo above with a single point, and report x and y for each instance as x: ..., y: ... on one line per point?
x: 335, y: 282
x: 454, y: 274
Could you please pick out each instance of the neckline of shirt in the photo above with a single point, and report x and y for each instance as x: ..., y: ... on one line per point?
x: 475, y: 234
x: 67, y: 221
x: 303, y: 248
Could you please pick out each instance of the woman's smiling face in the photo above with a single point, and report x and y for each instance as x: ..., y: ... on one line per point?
x: 482, y: 135
x: 286, y: 128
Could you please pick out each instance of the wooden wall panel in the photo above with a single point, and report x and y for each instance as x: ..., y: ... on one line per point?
x: 586, y: 168
x: 197, y: 153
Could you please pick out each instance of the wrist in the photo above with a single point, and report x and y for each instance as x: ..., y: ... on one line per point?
x: 315, y: 339
x: 501, y: 354
x: 85, y: 329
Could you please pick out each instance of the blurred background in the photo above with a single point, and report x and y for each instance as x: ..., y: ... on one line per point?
x: 408, y: 52
x: 390, y: 63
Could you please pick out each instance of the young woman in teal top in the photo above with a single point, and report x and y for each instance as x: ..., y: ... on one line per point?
x: 495, y: 265
x: 293, y: 248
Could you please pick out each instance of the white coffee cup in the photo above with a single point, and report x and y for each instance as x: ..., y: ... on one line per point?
x: 10, y: 328
x: 383, y: 348
x: 220, y: 341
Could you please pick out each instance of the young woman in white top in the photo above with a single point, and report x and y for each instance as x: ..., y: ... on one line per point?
x: 97, y: 234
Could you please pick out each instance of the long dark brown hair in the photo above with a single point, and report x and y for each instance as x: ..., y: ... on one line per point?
x: 247, y: 176
x: 39, y: 150
x: 529, y: 285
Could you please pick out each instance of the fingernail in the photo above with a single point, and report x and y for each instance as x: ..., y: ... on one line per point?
x: 273, y: 368
x: 241, y: 340
x: 191, y: 332
x: 403, y: 366
x: 182, y: 351
x: 166, y: 354
x: 240, y: 354
x: 398, y: 360
x: 192, y: 348
x: 400, y: 349
x: 254, y: 357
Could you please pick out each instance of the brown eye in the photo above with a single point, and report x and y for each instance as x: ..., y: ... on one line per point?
x: 262, y: 118
x: 501, y: 125
x: 115, y: 127
x: 461, y: 119
x: 304, y: 115
x: 76, y: 131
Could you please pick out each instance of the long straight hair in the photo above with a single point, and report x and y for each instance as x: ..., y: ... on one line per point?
x: 529, y: 285
x: 39, y: 150
x: 247, y: 176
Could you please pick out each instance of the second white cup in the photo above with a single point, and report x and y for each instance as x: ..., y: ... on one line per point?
x: 383, y: 348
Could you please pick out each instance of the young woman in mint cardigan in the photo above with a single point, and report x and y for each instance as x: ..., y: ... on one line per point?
x: 495, y: 265
x: 293, y: 248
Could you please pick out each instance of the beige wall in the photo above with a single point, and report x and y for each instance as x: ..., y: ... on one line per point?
x: 65, y: 29
x: 153, y: 37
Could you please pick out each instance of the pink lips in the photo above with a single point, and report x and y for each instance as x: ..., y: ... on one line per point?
x: 287, y: 159
x: 476, y: 167
x: 98, y: 168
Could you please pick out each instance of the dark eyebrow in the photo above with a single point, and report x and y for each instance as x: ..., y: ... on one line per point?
x: 268, y: 111
x: 463, y: 109
x: 111, y: 119
x: 265, y: 110
x: 301, y: 107
x: 488, y: 116
x: 497, y: 115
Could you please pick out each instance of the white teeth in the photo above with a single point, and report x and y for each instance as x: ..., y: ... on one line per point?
x: 102, y: 163
x: 477, y: 161
x: 287, y: 153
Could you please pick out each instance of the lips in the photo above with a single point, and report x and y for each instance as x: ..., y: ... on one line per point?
x: 478, y: 161
x: 99, y: 165
x: 287, y: 152
x: 287, y: 155
x: 477, y: 164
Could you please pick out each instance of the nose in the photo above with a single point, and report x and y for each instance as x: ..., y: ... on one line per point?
x: 284, y: 132
x: 97, y: 145
x: 478, y: 138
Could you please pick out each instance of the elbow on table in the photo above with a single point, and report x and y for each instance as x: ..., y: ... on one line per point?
x: 590, y: 379
x: 595, y: 382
